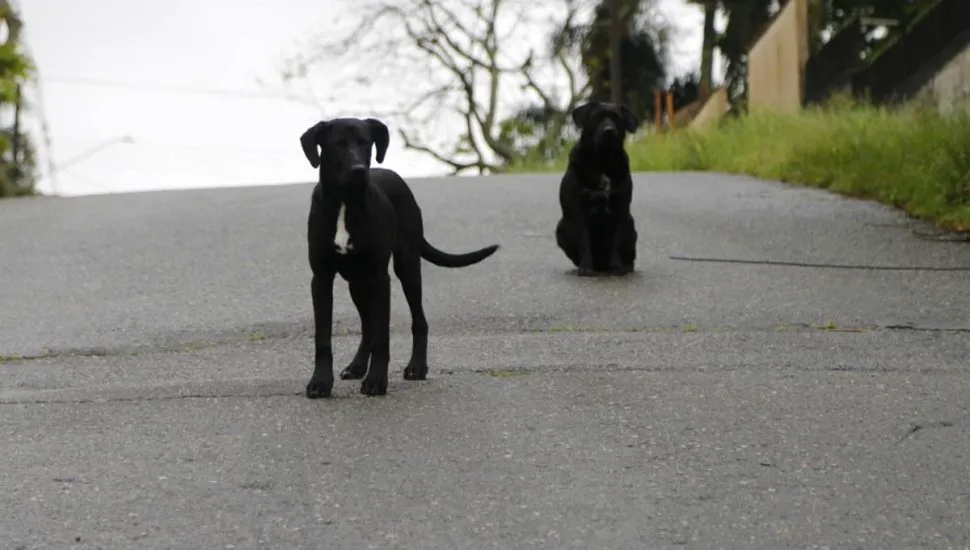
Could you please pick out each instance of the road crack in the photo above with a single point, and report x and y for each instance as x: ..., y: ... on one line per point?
x: 251, y: 337
x: 820, y: 265
x: 926, y: 426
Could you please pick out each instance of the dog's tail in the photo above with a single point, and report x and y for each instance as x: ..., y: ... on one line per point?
x: 444, y: 259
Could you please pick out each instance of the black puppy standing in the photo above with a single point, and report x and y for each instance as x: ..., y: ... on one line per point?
x: 359, y: 219
x: 596, y: 230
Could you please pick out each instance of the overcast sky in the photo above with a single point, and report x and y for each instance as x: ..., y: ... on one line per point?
x: 180, y: 78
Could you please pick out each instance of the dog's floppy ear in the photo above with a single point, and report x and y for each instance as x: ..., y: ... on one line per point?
x: 581, y: 113
x: 381, y: 136
x: 310, y: 140
x: 630, y: 121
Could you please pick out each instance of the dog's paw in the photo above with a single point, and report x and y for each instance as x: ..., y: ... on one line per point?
x: 621, y: 270
x: 318, y: 388
x: 416, y: 371
x: 353, y: 372
x: 586, y: 272
x: 374, y: 386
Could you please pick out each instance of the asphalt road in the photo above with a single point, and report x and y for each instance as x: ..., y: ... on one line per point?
x: 156, y: 346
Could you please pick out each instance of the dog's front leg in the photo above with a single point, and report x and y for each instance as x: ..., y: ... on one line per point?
x: 616, y: 241
x: 360, y: 294
x: 585, y: 252
x: 624, y: 239
x: 375, y: 381
x: 321, y: 290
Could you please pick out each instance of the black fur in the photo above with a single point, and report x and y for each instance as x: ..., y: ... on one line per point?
x: 384, y: 222
x: 596, y: 231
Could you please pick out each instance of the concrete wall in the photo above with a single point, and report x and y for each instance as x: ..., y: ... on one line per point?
x: 950, y: 86
x: 776, y: 62
x: 713, y: 110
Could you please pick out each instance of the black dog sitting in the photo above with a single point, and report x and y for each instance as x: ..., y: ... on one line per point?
x: 359, y: 219
x: 596, y: 230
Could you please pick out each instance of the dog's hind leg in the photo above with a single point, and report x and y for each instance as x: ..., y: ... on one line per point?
x: 566, y: 239
x: 358, y: 366
x: 321, y: 290
x: 408, y: 271
x: 379, y: 318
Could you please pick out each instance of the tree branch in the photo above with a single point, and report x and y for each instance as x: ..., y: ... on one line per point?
x: 456, y: 166
x: 461, y: 53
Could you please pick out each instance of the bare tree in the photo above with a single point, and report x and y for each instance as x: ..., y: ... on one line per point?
x: 452, y: 73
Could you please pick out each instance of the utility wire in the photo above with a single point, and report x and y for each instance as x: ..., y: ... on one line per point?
x: 174, y: 88
x: 189, y: 146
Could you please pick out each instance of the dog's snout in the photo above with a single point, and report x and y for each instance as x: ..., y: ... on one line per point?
x: 357, y: 173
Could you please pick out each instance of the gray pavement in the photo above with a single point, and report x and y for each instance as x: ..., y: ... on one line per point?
x: 154, y: 349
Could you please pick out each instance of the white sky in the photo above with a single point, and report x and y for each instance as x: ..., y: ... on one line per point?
x: 180, y: 78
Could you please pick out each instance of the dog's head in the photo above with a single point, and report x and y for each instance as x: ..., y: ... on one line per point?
x: 342, y: 147
x: 604, y: 125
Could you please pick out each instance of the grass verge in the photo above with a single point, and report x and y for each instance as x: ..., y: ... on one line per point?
x: 910, y: 157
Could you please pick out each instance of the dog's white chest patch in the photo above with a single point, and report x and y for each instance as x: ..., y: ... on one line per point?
x: 341, y: 239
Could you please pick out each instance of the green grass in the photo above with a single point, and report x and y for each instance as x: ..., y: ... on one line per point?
x: 909, y: 157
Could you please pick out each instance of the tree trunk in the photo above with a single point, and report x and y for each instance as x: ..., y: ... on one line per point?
x: 616, y: 65
x: 707, y: 49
